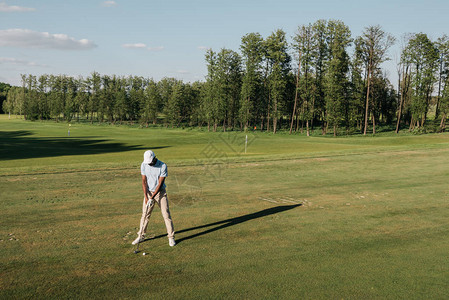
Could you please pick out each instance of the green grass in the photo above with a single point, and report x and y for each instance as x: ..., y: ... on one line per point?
x: 371, y: 224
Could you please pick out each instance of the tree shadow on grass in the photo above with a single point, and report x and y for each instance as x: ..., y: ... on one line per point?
x: 21, y: 144
x: 229, y: 222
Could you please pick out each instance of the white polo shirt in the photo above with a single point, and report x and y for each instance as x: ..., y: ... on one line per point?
x: 153, y: 173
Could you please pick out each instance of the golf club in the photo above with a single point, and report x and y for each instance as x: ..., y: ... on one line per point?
x: 137, y: 248
x: 149, y: 203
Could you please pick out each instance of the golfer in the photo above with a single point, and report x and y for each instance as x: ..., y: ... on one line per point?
x: 154, y: 173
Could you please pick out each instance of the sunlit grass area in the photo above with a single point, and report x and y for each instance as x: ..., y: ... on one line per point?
x: 293, y: 218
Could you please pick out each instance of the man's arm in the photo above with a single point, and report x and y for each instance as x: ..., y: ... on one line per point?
x: 158, y: 188
x: 145, y: 188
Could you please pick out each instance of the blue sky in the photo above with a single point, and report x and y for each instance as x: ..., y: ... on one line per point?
x: 168, y: 38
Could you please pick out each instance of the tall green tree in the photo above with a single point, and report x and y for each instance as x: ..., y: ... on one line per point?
x: 252, y: 48
x: 81, y: 98
x: 209, y: 97
x: 444, y: 104
x: 189, y: 103
x: 44, y: 110
x: 279, y: 64
x: 384, y: 99
x: 443, y: 71
x: 357, y: 90
x: 404, y: 87
x: 136, y: 97
x: 320, y: 65
x: 422, y: 55
x: 196, y: 116
x: 107, y: 99
x: 14, y: 100
x: 4, y: 88
x: 337, y: 83
x: 31, y: 106
x: 228, y: 86
x: 70, y: 105
x: 94, y: 88
x: 172, y: 109
x: 152, y: 103
x: 223, y: 87
x: 373, y: 46
x: 305, y: 46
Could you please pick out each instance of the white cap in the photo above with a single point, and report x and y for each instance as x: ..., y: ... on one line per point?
x: 148, y: 157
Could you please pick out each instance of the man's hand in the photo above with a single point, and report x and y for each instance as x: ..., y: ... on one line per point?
x: 148, y: 198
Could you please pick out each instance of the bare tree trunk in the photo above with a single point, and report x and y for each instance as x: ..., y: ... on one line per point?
x: 275, y: 119
x: 399, y: 114
x: 324, y: 125
x: 374, y: 124
x: 297, y: 123
x: 313, y: 112
x: 406, y: 85
x: 367, y: 99
x: 296, y: 96
x: 428, y: 97
x: 401, y: 90
x: 247, y: 116
x: 443, y: 123
x: 307, y: 126
x: 294, y: 112
x: 268, y: 113
x: 296, y: 91
x: 437, y: 110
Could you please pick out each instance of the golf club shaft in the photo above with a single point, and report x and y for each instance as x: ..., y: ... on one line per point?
x: 148, y: 205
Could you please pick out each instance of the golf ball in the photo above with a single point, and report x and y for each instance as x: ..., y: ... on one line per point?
x: 144, y: 253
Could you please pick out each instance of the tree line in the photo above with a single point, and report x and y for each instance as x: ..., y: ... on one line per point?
x: 323, y: 79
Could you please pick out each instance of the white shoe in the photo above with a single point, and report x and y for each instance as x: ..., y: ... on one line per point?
x: 171, y: 242
x: 138, y: 240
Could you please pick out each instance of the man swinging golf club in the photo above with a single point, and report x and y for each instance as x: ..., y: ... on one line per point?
x: 154, y: 173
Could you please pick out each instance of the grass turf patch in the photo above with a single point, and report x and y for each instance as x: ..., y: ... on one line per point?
x: 294, y: 218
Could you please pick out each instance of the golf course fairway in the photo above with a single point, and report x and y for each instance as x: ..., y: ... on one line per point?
x: 294, y: 217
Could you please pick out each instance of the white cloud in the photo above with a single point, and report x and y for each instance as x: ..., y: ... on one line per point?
x: 21, y: 62
x: 7, y: 8
x: 26, y: 38
x: 109, y: 3
x: 142, y: 46
x: 135, y: 46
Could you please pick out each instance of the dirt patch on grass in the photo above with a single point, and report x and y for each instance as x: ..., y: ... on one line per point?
x: 13, y: 179
x: 320, y: 159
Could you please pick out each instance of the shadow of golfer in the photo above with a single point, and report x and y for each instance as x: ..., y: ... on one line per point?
x: 230, y: 222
